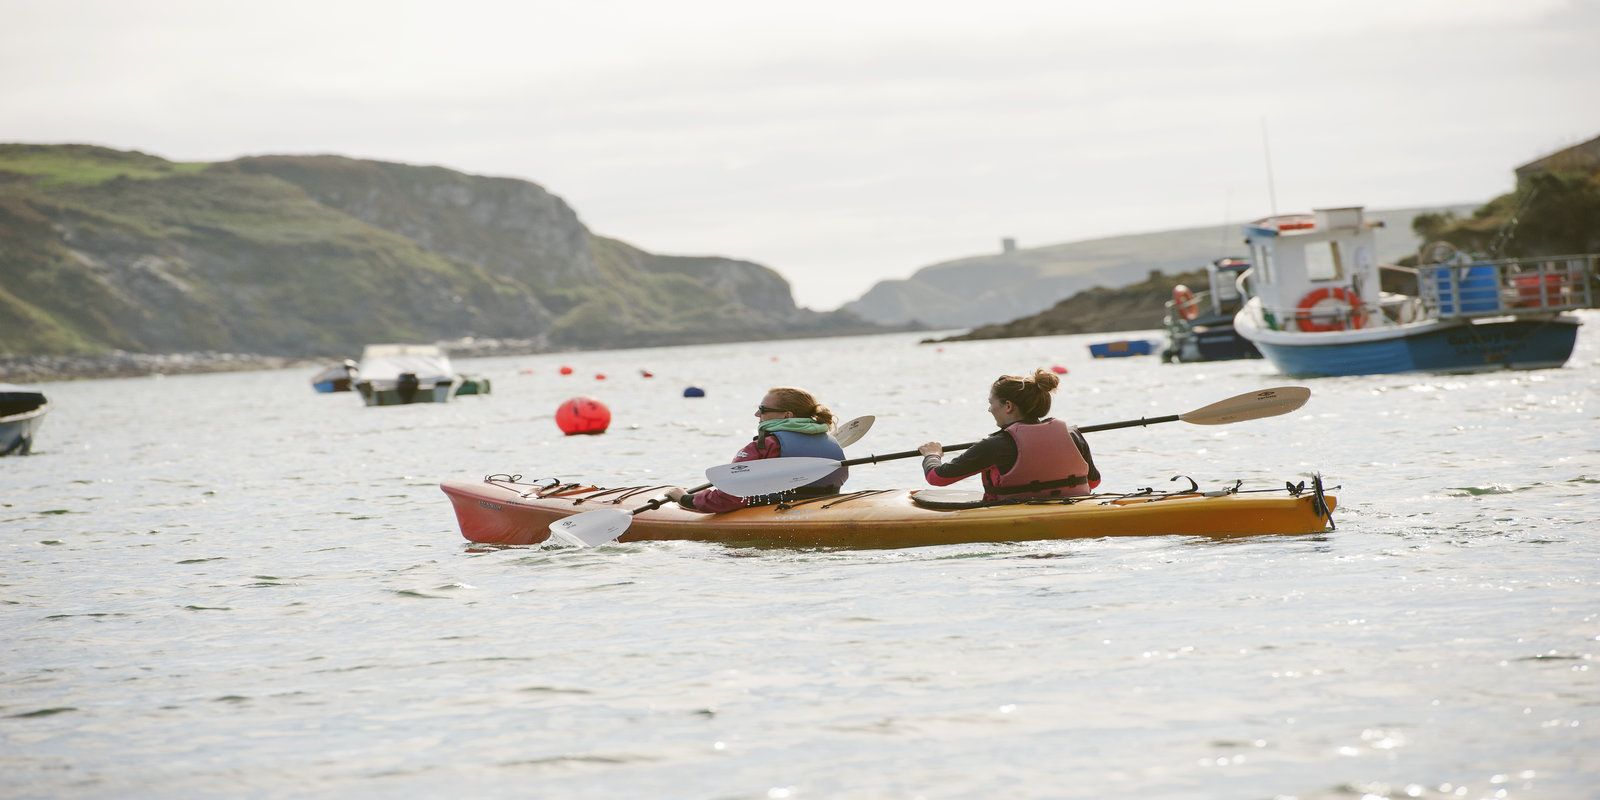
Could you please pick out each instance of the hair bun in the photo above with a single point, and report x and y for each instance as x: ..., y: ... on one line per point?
x: 1046, y: 380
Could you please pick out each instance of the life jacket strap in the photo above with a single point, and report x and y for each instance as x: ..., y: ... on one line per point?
x: 1039, y: 486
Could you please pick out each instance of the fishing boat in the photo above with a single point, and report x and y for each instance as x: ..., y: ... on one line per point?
x: 1322, y: 306
x: 337, y: 378
x: 505, y: 510
x: 399, y: 374
x: 22, y: 411
x: 1200, y: 324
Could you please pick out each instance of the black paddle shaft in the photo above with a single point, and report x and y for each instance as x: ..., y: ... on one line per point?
x: 1132, y: 423
x: 661, y: 501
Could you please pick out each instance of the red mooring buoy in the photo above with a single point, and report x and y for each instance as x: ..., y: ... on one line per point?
x: 583, y: 415
x: 566, y: 370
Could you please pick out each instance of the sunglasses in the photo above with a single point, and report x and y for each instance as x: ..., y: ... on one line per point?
x: 768, y: 410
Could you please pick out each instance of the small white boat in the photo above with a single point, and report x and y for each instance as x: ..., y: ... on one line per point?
x: 398, y: 374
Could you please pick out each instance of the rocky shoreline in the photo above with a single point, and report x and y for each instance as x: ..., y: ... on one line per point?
x: 123, y: 364
x: 1140, y: 306
x: 120, y: 364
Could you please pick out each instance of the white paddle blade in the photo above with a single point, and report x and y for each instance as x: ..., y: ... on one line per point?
x: 592, y: 528
x: 1252, y: 405
x: 768, y: 476
x: 852, y: 431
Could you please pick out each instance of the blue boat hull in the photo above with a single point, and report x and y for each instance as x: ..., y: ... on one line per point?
x: 1122, y: 349
x: 1481, y: 347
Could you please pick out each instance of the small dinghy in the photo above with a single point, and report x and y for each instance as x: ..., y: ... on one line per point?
x: 21, y: 413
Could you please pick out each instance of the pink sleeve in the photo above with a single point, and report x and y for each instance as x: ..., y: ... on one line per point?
x: 716, y: 501
x: 935, y: 480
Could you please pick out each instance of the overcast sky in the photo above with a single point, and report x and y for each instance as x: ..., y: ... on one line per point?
x: 839, y: 143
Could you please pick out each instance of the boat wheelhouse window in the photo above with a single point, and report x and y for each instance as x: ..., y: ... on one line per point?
x: 1323, y: 262
x: 1262, y: 258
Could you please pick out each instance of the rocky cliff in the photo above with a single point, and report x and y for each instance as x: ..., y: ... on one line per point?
x: 318, y: 255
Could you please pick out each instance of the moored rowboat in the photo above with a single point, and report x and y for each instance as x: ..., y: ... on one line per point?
x: 502, y: 510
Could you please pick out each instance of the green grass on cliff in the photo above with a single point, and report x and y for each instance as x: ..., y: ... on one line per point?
x: 87, y: 166
x: 102, y: 249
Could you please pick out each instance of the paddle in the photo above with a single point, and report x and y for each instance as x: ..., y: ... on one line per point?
x: 595, y: 528
x: 770, y: 476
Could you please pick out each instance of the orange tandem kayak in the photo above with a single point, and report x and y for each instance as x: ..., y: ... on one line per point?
x: 503, y: 510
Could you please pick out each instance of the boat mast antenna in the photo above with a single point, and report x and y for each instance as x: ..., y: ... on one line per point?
x: 1266, y: 150
x: 1227, y: 211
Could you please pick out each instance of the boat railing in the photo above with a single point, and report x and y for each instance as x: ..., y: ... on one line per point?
x: 1507, y: 287
x: 1512, y: 286
x: 1176, y: 316
x: 1332, y: 317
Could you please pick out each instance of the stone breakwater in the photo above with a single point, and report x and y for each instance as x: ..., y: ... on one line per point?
x: 120, y: 364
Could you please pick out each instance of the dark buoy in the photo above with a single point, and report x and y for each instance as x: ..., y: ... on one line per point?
x: 694, y: 391
x: 583, y: 415
x: 566, y: 370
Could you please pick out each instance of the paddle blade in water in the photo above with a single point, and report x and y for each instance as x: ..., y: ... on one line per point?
x: 852, y: 431
x: 1251, y: 405
x: 592, y: 528
x: 768, y: 476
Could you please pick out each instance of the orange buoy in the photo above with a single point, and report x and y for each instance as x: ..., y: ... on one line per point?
x: 1059, y: 370
x: 583, y: 415
x: 566, y: 370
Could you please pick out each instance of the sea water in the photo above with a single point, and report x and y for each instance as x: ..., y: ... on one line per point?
x: 228, y: 585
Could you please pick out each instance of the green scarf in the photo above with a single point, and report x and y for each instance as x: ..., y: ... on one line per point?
x: 793, y: 425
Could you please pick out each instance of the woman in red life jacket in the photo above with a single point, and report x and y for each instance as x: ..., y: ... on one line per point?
x: 791, y: 423
x: 1032, y: 456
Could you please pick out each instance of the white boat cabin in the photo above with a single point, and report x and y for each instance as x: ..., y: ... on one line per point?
x: 1314, y: 272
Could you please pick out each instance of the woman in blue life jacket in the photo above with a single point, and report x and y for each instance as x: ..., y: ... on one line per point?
x: 1032, y: 456
x: 791, y: 423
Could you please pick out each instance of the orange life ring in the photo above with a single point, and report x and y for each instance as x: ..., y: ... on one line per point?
x: 1303, y: 318
x: 1183, y: 302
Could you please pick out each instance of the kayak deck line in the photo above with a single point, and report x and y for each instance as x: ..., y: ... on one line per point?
x: 503, y: 509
